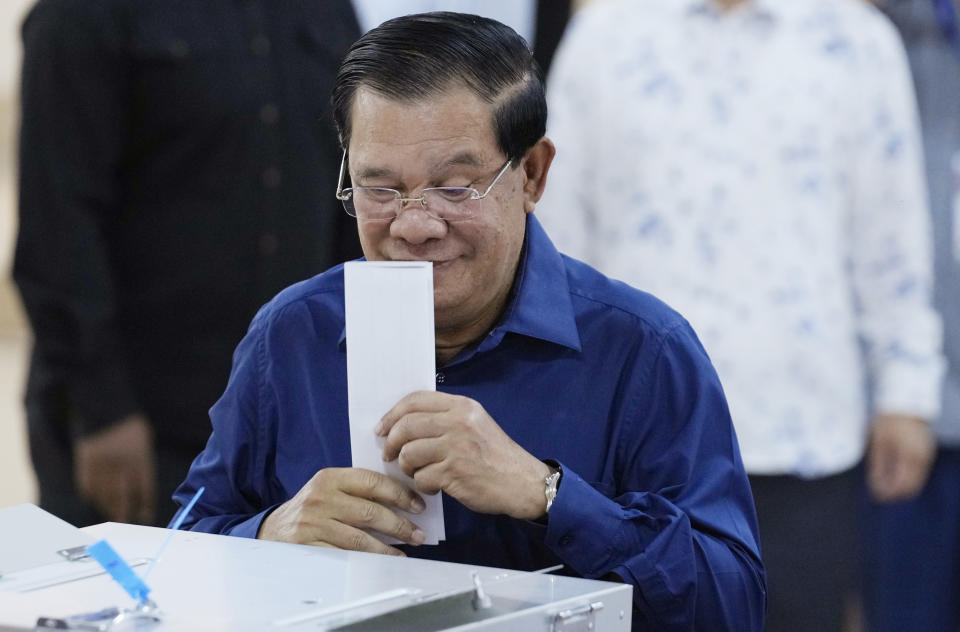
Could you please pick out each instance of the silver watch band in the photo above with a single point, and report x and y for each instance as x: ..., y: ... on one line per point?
x: 550, y: 491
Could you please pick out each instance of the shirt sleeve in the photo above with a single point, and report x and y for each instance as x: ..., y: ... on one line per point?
x: 681, y: 527
x: 889, y: 235
x: 232, y: 467
x: 72, y: 133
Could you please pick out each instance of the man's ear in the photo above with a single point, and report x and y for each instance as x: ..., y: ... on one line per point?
x: 536, y: 164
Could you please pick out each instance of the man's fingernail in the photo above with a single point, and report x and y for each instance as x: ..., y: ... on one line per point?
x: 417, y: 505
x: 378, y: 429
x: 418, y: 537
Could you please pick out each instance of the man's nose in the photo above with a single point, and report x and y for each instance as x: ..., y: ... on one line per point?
x: 415, y: 224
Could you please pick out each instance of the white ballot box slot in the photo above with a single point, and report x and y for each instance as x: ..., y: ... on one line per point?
x: 31, y: 579
x: 341, y: 608
x: 438, y: 614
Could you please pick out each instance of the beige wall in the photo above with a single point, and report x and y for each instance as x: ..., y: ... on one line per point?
x: 16, y: 479
x: 11, y: 14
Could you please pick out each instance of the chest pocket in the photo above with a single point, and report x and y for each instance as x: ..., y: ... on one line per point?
x: 193, y: 72
x: 187, y: 30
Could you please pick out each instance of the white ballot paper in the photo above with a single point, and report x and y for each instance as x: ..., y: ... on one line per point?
x: 390, y: 354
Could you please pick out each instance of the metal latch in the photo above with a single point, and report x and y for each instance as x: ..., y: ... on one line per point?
x: 74, y: 554
x: 576, y: 619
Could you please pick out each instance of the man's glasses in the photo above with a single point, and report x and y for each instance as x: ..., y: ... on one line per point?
x: 378, y: 204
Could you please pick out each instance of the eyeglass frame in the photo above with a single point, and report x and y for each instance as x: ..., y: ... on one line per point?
x: 345, y: 194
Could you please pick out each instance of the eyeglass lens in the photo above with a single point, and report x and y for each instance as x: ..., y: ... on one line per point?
x: 447, y: 203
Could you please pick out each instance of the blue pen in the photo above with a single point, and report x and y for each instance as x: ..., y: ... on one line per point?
x: 176, y: 526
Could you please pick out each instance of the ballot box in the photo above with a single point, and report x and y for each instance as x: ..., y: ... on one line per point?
x: 204, y: 582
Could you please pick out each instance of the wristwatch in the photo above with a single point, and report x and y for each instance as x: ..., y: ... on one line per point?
x: 552, y: 482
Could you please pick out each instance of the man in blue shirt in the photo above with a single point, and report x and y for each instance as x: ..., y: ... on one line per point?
x: 552, y: 377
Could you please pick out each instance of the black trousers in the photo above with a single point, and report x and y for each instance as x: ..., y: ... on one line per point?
x: 808, y: 535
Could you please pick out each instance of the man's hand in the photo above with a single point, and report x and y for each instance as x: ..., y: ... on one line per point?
x: 116, y: 471
x: 902, y: 449
x: 338, y: 505
x: 450, y: 443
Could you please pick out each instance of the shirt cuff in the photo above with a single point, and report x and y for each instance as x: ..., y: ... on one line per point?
x: 910, y: 388
x: 250, y: 527
x: 578, y: 526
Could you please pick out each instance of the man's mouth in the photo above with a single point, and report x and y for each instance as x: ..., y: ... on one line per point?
x: 437, y: 263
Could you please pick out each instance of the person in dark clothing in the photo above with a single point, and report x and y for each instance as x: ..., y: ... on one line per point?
x: 175, y: 165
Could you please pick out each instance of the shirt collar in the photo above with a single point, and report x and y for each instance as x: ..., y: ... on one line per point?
x: 540, y: 305
x: 758, y: 8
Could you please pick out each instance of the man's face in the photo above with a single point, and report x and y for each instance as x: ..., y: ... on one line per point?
x: 442, y: 140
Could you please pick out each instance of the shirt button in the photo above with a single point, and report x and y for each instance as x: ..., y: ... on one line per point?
x: 271, y: 177
x: 566, y: 540
x: 260, y: 45
x: 440, y: 378
x: 269, y: 114
x: 268, y: 244
x: 179, y: 48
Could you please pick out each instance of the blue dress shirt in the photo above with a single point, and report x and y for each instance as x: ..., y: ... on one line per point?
x: 591, y: 372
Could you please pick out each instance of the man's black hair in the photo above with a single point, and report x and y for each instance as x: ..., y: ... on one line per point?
x: 413, y: 57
